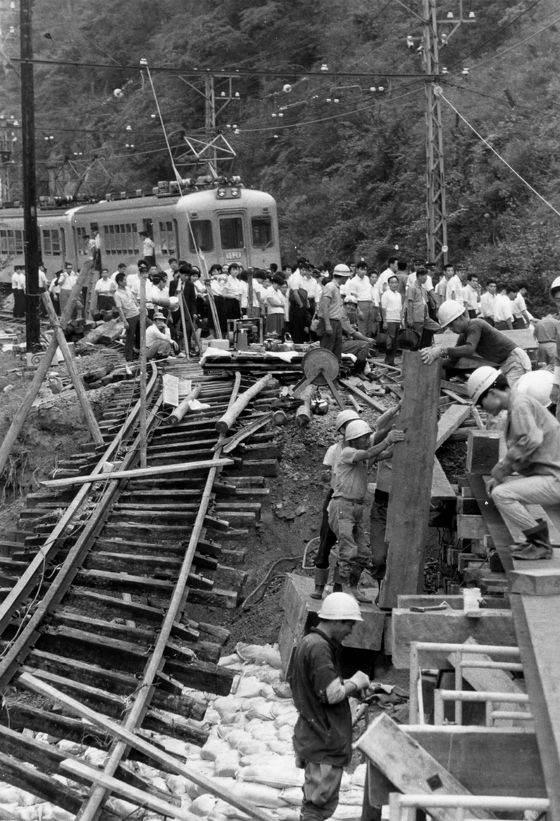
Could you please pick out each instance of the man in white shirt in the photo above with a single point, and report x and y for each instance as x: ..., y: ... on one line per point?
x: 503, y: 312
x: 120, y: 267
x: 148, y: 248
x: 471, y: 295
x: 521, y: 316
x: 18, y: 291
x: 454, y: 288
x: 359, y: 288
x: 488, y: 300
x: 304, y: 291
x: 392, y: 313
x: 133, y: 280
x: 159, y: 344
x: 382, y: 281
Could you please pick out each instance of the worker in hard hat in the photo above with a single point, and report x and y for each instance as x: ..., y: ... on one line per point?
x: 537, y: 384
x: 533, y: 451
x: 477, y: 338
x: 323, y: 731
x: 327, y: 537
x: 346, y: 508
x: 329, y: 311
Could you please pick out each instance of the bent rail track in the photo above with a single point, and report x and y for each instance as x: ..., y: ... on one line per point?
x: 97, y: 582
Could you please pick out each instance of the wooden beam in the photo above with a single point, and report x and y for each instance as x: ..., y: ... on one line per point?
x: 409, y: 766
x: 139, y: 473
x: 413, y: 463
x: 133, y: 740
x: 363, y: 396
x: 452, y: 419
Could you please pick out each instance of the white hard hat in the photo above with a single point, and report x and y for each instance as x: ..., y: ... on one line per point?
x: 340, y: 607
x: 356, y: 429
x: 555, y: 285
x: 448, y: 311
x: 342, y: 270
x: 346, y: 416
x: 173, y: 302
x: 480, y: 380
x: 537, y: 384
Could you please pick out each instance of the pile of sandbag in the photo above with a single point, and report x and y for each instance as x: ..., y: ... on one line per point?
x: 248, y: 752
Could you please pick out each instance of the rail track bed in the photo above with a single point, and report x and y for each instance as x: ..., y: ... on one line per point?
x: 97, y: 580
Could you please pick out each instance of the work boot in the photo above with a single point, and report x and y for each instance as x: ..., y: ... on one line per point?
x: 358, y: 594
x: 537, y: 545
x: 321, y: 578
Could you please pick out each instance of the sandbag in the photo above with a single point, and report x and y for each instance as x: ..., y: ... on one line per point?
x: 248, y: 687
x: 346, y: 812
x: 203, y: 805
x: 261, y: 712
x: 213, y: 748
x: 177, y: 784
x: 359, y: 775
x: 354, y: 796
x: 227, y: 765
x: 269, y: 773
x: 257, y: 654
x: 228, y: 705
x: 292, y: 796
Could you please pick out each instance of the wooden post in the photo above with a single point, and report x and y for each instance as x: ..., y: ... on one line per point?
x: 303, y: 413
x: 175, y: 417
x: 184, y: 324
x: 250, y: 294
x: 411, y: 491
x: 74, y: 375
x: 20, y: 417
x: 226, y: 421
x: 143, y: 370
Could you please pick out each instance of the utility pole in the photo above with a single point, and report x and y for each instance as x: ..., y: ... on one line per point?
x: 436, y: 214
x: 210, y: 123
x: 31, y: 241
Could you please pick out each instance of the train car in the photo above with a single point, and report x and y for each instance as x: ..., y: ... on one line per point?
x: 220, y: 224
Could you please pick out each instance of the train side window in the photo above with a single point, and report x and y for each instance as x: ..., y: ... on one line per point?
x: 261, y: 228
x: 231, y: 232
x: 81, y: 233
x: 51, y: 242
x: 167, y: 238
x: 202, y: 232
x: 5, y: 241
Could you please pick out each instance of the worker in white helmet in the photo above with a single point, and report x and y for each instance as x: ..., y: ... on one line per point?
x: 323, y: 731
x: 477, y: 338
x: 346, y: 509
x: 533, y: 451
x: 330, y: 309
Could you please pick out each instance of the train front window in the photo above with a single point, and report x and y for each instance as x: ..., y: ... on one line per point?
x: 231, y: 232
x: 200, y: 236
x: 261, y: 228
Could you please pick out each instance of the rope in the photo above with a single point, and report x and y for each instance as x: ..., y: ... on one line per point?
x: 499, y: 156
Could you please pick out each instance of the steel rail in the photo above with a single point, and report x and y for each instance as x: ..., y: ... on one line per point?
x: 99, y: 794
x: 49, y: 550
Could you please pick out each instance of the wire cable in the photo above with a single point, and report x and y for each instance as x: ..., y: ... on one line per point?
x: 499, y: 156
x: 511, y: 48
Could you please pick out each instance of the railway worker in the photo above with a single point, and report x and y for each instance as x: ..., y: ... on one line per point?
x: 355, y: 343
x: 346, y: 508
x: 488, y: 300
x: 159, y: 344
x: 478, y: 338
x: 18, y: 291
x: 129, y: 312
x: 533, y: 451
x: 330, y: 310
x: 148, y: 248
x: 323, y: 731
x: 67, y: 282
x: 392, y: 316
x: 232, y: 292
x: 546, y: 331
x: 360, y: 288
x: 104, y: 290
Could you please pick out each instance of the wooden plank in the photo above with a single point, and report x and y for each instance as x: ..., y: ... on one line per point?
x: 363, y: 396
x: 413, y: 464
x: 140, y: 473
x: 441, y: 486
x: 409, y: 766
x: 138, y: 743
x: 535, y: 581
x: 452, y: 419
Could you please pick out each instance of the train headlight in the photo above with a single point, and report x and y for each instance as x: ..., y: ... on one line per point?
x: 222, y: 193
x: 235, y: 192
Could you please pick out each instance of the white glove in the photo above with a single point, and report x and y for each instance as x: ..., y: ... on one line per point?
x: 360, y: 680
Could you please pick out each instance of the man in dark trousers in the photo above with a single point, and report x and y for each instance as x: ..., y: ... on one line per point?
x: 323, y: 731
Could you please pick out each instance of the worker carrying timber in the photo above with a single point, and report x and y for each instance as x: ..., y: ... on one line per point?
x: 478, y: 338
x: 323, y: 731
x: 533, y: 451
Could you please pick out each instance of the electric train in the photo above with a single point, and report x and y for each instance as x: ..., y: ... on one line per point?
x: 223, y: 224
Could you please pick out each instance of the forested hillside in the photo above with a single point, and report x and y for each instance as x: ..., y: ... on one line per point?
x: 347, y: 165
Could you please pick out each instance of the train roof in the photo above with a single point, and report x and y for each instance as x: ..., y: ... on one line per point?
x: 196, y: 199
